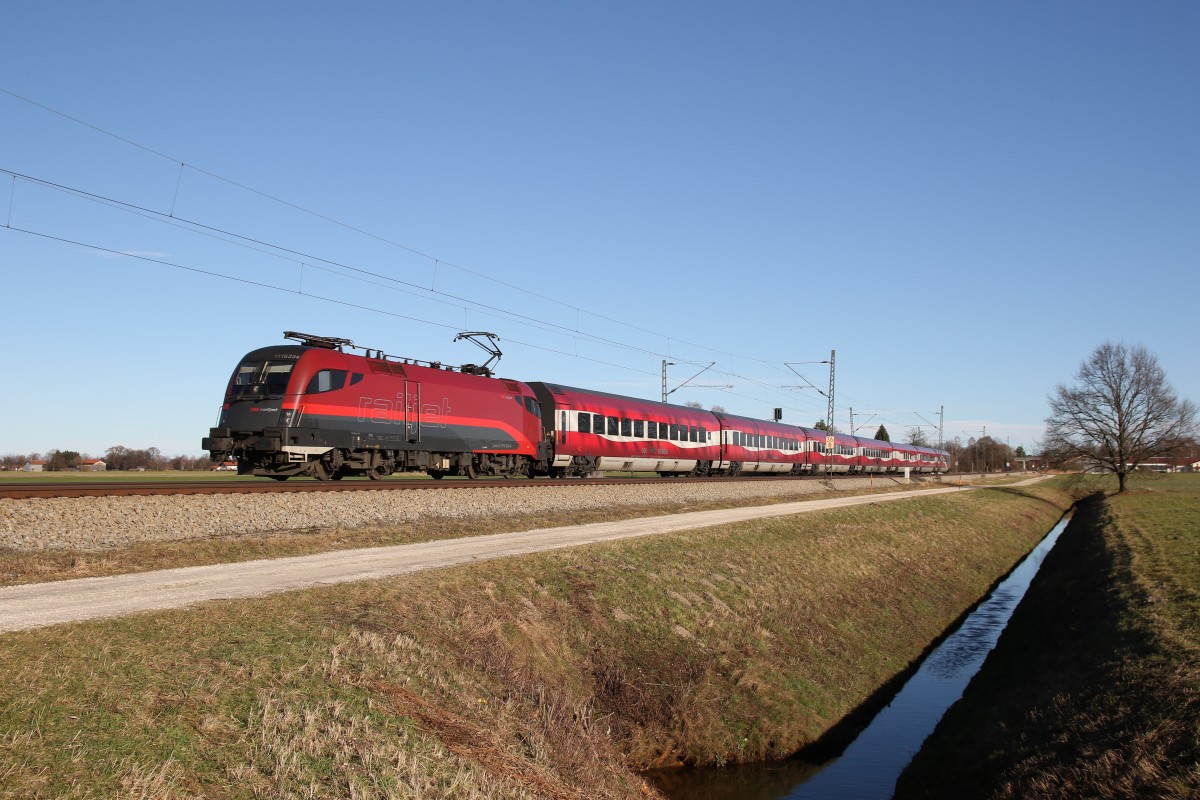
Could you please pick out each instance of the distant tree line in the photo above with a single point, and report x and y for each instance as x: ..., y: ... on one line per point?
x: 117, y: 457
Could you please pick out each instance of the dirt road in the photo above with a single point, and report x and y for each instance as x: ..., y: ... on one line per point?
x: 43, y: 604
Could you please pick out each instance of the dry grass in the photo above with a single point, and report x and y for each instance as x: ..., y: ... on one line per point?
x: 542, y: 676
x: 1109, y: 632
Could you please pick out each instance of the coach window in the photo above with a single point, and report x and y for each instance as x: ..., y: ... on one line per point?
x: 598, y: 423
x: 639, y: 429
x: 703, y: 435
x: 694, y: 433
x: 651, y: 430
x: 626, y: 426
x: 585, y: 422
x: 614, y: 426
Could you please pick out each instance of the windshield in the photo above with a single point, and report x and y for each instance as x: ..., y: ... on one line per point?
x: 260, y: 379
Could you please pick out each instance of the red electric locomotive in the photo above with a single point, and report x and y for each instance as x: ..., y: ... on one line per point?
x: 312, y: 409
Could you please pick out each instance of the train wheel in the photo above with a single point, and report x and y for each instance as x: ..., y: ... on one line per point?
x: 436, y: 474
x: 319, y: 471
x: 378, y: 473
x: 470, y: 472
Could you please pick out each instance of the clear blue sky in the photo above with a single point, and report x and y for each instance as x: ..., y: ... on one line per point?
x: 962, y: 199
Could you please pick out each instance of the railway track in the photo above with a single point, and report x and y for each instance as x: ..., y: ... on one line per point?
x: 21, y: 491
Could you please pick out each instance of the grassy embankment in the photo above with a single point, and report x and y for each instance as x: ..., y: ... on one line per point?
x: 542, y: 676
x: 1094, y: 688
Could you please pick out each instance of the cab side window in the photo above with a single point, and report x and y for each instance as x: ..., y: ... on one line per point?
x: 327, y: 380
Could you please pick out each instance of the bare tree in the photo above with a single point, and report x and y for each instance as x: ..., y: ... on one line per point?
x: 1120, y: 412
x: 917, y: 437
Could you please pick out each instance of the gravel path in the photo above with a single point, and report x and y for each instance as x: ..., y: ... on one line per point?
x: 92, y: 523
x: 41, y: 604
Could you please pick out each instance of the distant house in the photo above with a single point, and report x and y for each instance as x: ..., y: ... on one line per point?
x: 37, y: 465
x: 1170, y: 464
x: 92, y: 465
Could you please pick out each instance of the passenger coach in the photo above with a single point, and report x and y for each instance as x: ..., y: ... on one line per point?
x: 595, y: 431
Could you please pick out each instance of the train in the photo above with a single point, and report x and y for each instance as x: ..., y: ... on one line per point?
x: 314, y: 409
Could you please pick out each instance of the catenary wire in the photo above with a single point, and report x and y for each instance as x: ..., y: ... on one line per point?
x: 306, y: 259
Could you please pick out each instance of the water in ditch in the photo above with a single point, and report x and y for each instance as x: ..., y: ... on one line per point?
x: 869, y: 767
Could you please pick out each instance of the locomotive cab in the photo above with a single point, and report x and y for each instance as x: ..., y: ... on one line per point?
x: 253, y: 407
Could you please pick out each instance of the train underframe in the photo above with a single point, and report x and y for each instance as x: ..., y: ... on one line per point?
x: 336, y: 464
x: 265, y: 456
